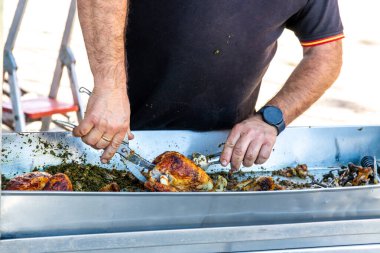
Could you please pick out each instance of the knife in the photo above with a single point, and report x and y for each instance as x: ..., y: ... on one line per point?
x: 137, y: 162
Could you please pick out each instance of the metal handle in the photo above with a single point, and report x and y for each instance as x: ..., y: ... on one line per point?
x: 64, y: 124
x: 85, y: 90
x: 123, y: 150
x: 368, y: 161
x: 371, y: 162
x: 213, y: 159
x: 70, y: 126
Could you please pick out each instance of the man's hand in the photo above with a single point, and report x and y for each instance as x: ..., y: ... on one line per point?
x: 106, y: 122
x: 108, y: 112
x: 250, y: 141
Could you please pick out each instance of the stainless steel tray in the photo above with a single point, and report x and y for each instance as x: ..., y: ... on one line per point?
x: 318, y: 237
x: 31, y: 214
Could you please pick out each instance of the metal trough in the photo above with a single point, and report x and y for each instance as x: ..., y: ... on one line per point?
x: 41, y: 214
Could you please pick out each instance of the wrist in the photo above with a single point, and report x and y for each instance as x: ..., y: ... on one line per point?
x: 104, y: 88
x: 114, y: 77
x: 273, y: 116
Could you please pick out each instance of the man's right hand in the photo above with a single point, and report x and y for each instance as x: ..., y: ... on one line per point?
x: 107, y: 121
x: 108, y: 112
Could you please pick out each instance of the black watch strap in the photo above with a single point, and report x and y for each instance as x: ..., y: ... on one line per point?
x: 273, y: 116
x: 280, y: 127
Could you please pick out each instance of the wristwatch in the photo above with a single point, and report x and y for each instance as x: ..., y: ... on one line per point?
x: 273, y: 116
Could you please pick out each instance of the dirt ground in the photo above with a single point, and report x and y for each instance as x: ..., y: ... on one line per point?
x: 352, y: 100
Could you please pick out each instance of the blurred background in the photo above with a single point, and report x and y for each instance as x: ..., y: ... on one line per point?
x: 352, y: 100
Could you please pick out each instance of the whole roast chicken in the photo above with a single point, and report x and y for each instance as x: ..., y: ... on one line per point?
x: 175, y: 172
x: 40, y: 181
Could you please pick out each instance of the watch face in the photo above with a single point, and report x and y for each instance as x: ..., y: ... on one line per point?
x: 272, y: 115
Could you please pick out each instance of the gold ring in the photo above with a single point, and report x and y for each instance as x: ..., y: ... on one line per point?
x: 106, y: 139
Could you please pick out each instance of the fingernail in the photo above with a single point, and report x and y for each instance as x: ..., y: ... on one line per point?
x: 224, y: 162
x: 104, y: 161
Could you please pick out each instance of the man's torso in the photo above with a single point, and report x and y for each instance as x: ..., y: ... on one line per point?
x: 198, y: 64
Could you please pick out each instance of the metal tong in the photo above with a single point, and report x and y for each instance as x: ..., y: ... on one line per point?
x: 124, y: 151
x: 213, y: 159
x: 205, y: 161
x: 370, y: 161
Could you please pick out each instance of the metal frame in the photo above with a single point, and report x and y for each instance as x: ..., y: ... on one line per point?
x: 10, y: 67
x: 65, y: 59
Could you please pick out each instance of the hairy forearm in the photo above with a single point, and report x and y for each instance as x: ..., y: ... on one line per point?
x: 316, y: 72
x: 103, y: 25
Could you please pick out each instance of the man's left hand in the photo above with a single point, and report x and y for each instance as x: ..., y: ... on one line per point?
x: 249, y: 142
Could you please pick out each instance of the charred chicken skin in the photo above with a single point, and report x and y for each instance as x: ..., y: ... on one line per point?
x: 112, y: 187
x: 33, y: 181
x: 40, y: 181
x: 363, y: 174
x: 175, y: 172
x: 266, y: 184
x: 300, y: 171
x: 59, y: 182
x: 258, y: 184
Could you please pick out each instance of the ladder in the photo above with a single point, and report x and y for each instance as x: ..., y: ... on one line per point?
x: 19, y: 111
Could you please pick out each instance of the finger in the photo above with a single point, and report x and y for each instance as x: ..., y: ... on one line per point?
x: 264, y: 153
x: 96, y: 133
x: 239, y: 151
x: 110, y: 151
x: 84, y: 127
x: 93, y: 137
x: 252, y: 153
x: 226, y: 155
x: 104, y: 141
x: 130, y: 134
x: 107, y: 137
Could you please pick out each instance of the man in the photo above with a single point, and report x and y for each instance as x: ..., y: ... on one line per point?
x: 199, y: 64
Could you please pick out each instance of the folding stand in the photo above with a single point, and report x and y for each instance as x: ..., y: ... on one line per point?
x: 19, y: 111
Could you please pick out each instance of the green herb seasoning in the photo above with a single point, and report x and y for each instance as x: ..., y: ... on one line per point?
x: 90, y: 178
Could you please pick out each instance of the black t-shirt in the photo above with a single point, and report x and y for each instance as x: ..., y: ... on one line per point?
x: 198, y: 64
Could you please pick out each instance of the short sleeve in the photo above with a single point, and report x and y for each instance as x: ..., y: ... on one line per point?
x: 318, y: 22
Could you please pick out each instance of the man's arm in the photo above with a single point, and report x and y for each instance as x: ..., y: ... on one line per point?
x: 252, y: 140
x: 108, y: 111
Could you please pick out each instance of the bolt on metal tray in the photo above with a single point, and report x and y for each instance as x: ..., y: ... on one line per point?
x: 72, y: 213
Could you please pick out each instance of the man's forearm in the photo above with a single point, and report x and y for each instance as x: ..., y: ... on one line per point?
x: 103, y: 24
x: 316, y: 72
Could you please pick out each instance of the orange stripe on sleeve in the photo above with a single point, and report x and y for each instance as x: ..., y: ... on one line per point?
x: 322, y: 41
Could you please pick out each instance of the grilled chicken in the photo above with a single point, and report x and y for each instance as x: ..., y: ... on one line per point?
x: 221, y: 184
x: 258, y: 184
x: 353, y: 175
x: 33, y: 181
x: 59, y: 182
x: 299, y: 171
x: 363, y: 175
x: 266, y: 184
x: 40, y: 181
x: 112, y: 187
x: 244, y: 185
x: 175, y: 172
